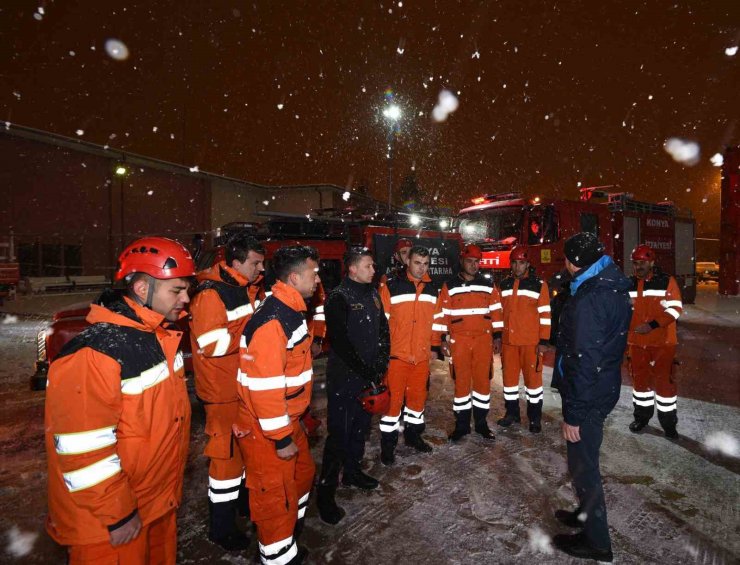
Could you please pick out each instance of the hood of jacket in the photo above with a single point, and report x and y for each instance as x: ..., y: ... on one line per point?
x: 603, y: 273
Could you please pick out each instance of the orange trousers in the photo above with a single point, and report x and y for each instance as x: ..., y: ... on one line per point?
x: 407, y: 384
x: 155, y: 545
x: 517, y: 359
x: 470, y: 367
x: 278, y: 491
x: 226, y: 469
x: 653, y: 380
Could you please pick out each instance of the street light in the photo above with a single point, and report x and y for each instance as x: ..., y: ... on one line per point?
x: 392, y: 113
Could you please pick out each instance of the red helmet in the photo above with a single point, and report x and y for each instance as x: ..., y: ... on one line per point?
x: 159, y: 257
x: 401, y: 243
x: 471, y: 251
x: 518, y: 253
x: 375, y: 399
x: 643, y: 253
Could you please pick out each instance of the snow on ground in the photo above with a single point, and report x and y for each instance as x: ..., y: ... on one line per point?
x: 471, y: 502
x: 713, y: 309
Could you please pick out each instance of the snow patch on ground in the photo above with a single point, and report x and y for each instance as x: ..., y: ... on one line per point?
x: 724, y: 443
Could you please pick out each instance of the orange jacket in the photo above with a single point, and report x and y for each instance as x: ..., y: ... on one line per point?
x: 224, y: 302
x: 317, y: 325
x: 466, y: 308
x: 656, y: 300
x: 117, y: 423
x: 409, y: 305
x: 526, y: 310
x: 275, y: 386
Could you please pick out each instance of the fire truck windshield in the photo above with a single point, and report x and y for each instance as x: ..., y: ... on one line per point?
x: 495, y: 224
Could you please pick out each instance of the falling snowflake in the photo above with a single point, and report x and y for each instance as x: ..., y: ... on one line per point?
x: 723, y: 443
x: 280, y: 106
x: 717, y: 160
x: 116, y: 49
x: 194, y: 169
x: 345, y: 196
x: 731, y: 51
x: 80, y: 132
x: 20, y: 543
x: 683, y: 151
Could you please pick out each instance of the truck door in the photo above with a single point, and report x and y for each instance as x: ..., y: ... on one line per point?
x: 631, y: 237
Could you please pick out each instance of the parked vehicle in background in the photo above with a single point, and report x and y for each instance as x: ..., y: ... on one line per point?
x: 497, y: 222
x: 707, y: 271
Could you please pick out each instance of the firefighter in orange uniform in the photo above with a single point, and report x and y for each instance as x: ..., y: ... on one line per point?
x: 409, y: 302
x: 275, y: 379
x: 118, y: 416
x: 465, y: 315
x: 526, y: 330
x: 225, y: 299
x: 652, y: 341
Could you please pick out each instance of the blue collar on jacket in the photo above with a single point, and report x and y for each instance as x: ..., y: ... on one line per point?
x: 582, y: 276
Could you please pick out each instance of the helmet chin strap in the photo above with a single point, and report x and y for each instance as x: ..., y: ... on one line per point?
x: 150, y: 294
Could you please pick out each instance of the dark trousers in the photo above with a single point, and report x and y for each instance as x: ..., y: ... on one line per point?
x: 347, y: 426
x: 583, y: 464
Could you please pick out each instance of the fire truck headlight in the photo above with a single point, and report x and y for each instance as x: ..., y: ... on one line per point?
x: 444, y: 224
x: 415, y: 220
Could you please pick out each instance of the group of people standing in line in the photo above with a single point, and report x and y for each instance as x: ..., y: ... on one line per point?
x: 118, y: 414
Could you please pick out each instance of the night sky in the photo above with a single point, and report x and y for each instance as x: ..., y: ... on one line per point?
x: 550, y: 94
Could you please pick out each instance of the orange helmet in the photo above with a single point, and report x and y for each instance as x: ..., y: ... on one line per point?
x: 643, y: 253
x: 518, y: 253
x: 376, y: 399
x: 401, y: 243
x: 160, y: 257
x: 471, y: 251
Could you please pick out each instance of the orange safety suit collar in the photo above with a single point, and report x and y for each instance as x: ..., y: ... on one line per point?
x: 289, y: 296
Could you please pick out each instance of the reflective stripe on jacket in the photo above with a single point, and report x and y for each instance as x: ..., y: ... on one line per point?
x: 467, y: 308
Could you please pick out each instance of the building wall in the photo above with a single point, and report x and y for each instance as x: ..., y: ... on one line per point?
x: 62, y: 206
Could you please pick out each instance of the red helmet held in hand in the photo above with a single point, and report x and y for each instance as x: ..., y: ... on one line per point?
x: 160, y: 257
x: 518, y: 253
x: 375, y: 399
x: 643, y: 253
x: 401, y: 243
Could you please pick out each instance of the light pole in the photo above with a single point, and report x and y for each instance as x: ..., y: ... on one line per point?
x: 392, y: 113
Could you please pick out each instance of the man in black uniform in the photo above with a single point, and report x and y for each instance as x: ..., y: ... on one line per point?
x: 357, y: 329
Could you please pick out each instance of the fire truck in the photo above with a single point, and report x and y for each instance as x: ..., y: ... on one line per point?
x: 497, y: 222
x: 331, y: 235
x: 10, y: 272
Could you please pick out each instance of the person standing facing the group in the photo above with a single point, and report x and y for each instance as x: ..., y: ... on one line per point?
x: 225, y: 299
x: 117, y: 415
x: 360, y: 346
x: 465, y: 314
x: 409, y: 302
x: 526, y: 331
x: 591, y: 341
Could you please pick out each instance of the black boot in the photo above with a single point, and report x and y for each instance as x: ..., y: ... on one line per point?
x: 569, y: 518
x: 360, y: 480
x: 242, y: 503
x: 414, y: 439
x: 222, y: 527
x: 480, y: 415
x: 329, y: 512
x: 387, y: 451
x: 462, y: 425
x: 668, y: 421
x: 577, y: 546
x: 637, y: 426
x: 534, y: 414
x: 512, y: 414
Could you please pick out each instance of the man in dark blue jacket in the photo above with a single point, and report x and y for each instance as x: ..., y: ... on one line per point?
x: 591, y: 342
x: 357, y: 329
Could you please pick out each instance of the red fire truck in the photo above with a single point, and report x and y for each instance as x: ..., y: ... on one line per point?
x: 497, y: 222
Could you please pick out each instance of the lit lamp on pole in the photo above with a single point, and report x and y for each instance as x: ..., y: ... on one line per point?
x: 392, y: 114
